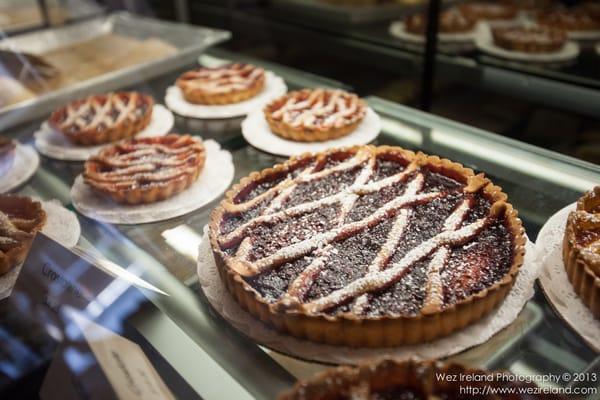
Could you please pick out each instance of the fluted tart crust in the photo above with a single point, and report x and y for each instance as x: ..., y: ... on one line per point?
x: 227, y: 84
x: 103, y: 118
x: 410, y: 379
x: 147, y: 170
x: 367, y: 246
x: 581, y: 250
x: 20, y: 219
x: 315, y: 115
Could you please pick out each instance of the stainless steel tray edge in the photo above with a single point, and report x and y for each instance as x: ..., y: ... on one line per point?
x: 191, y: 42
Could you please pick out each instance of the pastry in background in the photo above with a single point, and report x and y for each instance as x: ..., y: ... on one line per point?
x: 105, y: 118
x: 575, y: 20
x: 530, y: 39
x: 139, y: 171
x: 20, y: 219
x: 452, y: 20
x: 488, y: 11
x: 227, y: 84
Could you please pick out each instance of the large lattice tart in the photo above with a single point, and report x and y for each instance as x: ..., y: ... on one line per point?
x: 411, y: 380
x: 146, y: 170
x: 226, y: 84
x: 315, y: 115
x: 20, y: 219
x: 103, y: 118
x: 452, y: 20
x: 530, y: 39
x: 581, y: 250
x: 367, y: 246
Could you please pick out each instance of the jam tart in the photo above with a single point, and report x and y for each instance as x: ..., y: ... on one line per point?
x: 315, y: 115
x: 20, y: 219
x: 581, y: 250
x: 478, y: 11
x: 227, y: 84
x: 367, y: 246
x: 452, y: 20
x: 411, y: 380
x: 530, y: 39
x: 7, y: 155
x: 147, y: 170
x: 104, y: 118
x: 576, y: 20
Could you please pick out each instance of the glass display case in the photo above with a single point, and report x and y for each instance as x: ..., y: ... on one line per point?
x: 155, y: 298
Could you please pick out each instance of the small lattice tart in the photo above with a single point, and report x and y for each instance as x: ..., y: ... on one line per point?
x: 7, y: 155
x: 478, y: 11
x: 147, y: 170
x: 367, y: 246
x: 226, y: 84
x: 531, y: 39
x: 581, y: 250
x: 103, y: 118
x: 410, y: 380
x: 577, y: 20
x: 315, y: 115
x: 20, y: 219
x: 452, y: 20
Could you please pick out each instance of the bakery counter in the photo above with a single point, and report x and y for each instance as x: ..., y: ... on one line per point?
x: 208, y: 348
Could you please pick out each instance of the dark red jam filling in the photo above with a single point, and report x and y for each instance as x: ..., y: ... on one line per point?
x: 471, y: 267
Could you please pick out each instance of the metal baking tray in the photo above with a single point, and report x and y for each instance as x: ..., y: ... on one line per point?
x: 189, y: 41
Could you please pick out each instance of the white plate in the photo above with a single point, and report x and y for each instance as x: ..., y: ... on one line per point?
x: 274, y: 87
x: 555, y: 283
x: 54, y: 144
x: 256, y: 131
x: 25, y: 164
x: 222, y: 301
x: 485, y: 43
x: 215, y: 178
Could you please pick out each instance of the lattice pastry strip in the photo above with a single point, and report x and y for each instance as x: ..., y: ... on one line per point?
x: 103, y: 118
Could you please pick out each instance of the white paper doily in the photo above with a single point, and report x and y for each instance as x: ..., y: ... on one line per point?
x: 61, y: 225
x: 256, y: 131
x: 274, y: 87
x: 215, y: 178
x: 555, y: 282
x: 485, y: 43
x: 25, y: 164
x: 473, y: 335
x: 54, y: 144
x: 398, y: 30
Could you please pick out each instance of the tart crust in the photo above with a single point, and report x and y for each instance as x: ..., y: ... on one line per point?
x: 182, y: 156
x: 582, y: 260
x: 199, y: 87
x: 26, y: 219
x: 305, y: 131
x: 393, y: 378
x: 372, y: 331
x: 116, y: 116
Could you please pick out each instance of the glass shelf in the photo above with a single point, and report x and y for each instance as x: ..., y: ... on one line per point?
x: 220, y: 362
